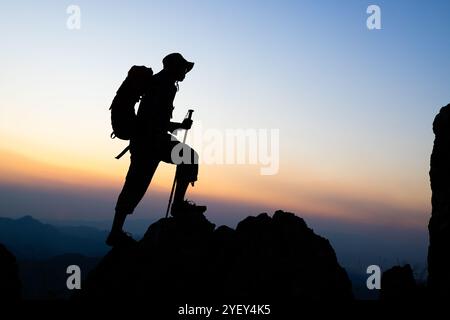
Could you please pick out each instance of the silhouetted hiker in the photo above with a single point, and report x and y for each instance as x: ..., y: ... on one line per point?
x: 150, y: 143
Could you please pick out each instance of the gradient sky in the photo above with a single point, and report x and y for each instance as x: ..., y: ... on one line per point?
x: 354, y: 107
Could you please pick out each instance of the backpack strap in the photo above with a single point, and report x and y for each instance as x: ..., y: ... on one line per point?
x: 123, y: 152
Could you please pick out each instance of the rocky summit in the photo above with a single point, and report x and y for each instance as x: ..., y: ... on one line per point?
x: 187, y: 257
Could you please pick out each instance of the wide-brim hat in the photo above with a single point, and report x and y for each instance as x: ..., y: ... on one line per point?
x: 177, y: 60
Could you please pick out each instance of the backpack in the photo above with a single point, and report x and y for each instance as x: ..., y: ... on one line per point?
x: 123, y: 115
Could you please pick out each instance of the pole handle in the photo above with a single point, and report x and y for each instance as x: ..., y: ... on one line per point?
x: 189, y: 116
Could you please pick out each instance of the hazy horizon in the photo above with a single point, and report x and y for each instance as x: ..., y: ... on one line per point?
x: 357, y: 244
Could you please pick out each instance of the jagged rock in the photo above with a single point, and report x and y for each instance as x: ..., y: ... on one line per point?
x: 398, y: 283
x: 10, y: 285
x: 268, y: 257
x: 439, y: 225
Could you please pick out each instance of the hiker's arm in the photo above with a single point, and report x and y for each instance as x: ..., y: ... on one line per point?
x: 186, y: 125
x: 174, y: 126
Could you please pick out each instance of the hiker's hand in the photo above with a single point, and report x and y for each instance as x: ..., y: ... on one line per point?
x: 186, y: 124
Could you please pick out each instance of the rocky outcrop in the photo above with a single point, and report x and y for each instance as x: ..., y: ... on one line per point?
x: 398, y: 283
x: 188, y: 258
x: 439, y: 225
x: 9, y: 276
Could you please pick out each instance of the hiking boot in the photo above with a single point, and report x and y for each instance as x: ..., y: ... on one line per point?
x: 116, y: 239
x: 186, y: 208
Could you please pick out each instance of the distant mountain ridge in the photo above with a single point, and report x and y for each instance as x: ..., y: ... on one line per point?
x: 30, y: 239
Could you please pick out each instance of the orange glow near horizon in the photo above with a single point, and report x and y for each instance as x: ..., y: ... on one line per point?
x: 300, y: 192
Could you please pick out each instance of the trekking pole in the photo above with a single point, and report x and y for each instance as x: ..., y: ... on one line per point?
x: 188, y: 116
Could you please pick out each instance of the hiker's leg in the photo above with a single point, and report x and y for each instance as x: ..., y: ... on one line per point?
x: 118, y: 222
x: 180, y: 190
x: 187, y: 171
x: 138, y: 178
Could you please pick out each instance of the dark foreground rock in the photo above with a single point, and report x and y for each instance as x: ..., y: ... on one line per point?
x: 398, y: 284
x: 10, y: 286
x: 439, y: 225
x: 188, y: 258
